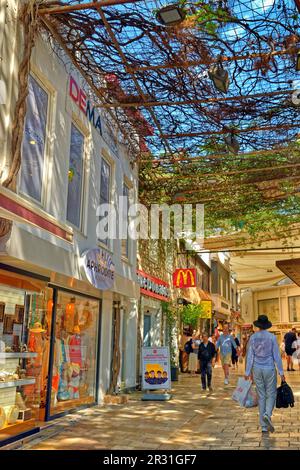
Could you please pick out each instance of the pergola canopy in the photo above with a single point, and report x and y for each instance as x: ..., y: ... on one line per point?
x: 157, y: 79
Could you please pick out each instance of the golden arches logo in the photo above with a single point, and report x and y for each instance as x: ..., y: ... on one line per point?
x: 183, y: 273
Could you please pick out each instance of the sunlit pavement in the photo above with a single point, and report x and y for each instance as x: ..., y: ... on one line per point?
x: 191, y: 420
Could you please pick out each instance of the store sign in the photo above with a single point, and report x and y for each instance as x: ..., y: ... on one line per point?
x: 80, y: 98
x: 99, y: 268
x: 153, y: 287
x: 156, y: 368
x: 206, y: 309
x: 185, y: 278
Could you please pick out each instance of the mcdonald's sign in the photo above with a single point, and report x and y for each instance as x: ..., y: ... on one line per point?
x: 185, y: 278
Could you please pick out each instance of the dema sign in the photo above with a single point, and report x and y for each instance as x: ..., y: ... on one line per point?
x: 79, y: 97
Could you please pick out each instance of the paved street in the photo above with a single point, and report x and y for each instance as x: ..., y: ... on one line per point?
x: 191, y: 420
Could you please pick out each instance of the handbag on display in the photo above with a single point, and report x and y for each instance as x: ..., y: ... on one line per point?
x: 285, y: 396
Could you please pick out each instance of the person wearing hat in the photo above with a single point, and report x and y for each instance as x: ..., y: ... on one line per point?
x: 263, y: 354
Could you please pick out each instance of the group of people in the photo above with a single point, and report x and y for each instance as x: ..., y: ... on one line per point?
x: 290, y: 349
x: 203, y: 350
x: 262, y: 357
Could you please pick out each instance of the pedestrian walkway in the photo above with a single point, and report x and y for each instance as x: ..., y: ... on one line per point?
x: 191, y: 420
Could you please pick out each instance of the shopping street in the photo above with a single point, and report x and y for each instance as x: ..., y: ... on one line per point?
x: 191, y: 420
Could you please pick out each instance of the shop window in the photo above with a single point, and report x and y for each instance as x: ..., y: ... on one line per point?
x: 269, y: 307
x: 125, y: 242
x: 33, y: 145
x: 105, y: 177
x: 75, y: 352
x: 25, y: 325
x: 294, y: 308
x: 75, y: 177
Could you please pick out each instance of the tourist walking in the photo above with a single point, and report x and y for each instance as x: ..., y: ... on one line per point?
x: 296, y: 348
x: 206, y: 356
x: 289, y: 338
x: 225, y: 344
x: 263, y: 355
x: 235, y: 352
x: 193, y: 355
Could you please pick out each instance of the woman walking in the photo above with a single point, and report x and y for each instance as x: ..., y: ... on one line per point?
x: 263, y: 354
x: 193, y: 356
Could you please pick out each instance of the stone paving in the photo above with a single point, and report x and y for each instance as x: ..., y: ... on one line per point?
x: 191, y: 420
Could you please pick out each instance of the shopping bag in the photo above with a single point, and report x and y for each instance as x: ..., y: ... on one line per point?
x: 241, y: 391
x: 251, y: 398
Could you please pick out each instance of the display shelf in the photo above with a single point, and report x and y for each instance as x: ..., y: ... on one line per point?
x: 17, y: 355
x: 17, y: 383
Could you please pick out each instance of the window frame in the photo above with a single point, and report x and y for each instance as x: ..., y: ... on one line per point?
x: 45, y: 183
x: 289, y: 307
x: 80, y: 227
x: 108, y: 162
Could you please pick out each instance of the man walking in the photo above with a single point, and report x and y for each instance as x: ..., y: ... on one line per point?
x: 263, y: 354
x: 206, y: 354
x: 226, y: 343
x: 289, y: 338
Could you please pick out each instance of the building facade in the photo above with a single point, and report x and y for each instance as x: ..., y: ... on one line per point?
x: 68, y: 296
x: 281, y: 303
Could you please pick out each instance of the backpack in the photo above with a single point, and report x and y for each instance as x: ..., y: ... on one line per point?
x: 188, y: 347
x: 285, y: 396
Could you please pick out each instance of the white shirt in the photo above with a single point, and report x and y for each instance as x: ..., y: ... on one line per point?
x: 296, y: 344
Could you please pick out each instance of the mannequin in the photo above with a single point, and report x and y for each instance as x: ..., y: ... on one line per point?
x: 75, y: 347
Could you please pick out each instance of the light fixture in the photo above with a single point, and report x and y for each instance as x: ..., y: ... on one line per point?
x: 220, y: 77
x: 298, y: 62
x: 232, y: 143
x: 171, y: 15
x: 32, y: 142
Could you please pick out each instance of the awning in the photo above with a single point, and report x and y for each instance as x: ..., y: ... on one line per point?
x: 290, y: 267
x: 220, y: 316
x: 194, y: 295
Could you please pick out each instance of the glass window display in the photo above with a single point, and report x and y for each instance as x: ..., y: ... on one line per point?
x: 75, y: 352
x: 25, y: 324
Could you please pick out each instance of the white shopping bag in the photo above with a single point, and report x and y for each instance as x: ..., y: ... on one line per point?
x: 251, y: 398
x: 241, y: 391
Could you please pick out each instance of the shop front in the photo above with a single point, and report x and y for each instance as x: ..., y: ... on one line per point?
x: 153, y: 292
x: 48, y: 351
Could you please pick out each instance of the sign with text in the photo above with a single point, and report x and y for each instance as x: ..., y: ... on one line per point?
x: 153, y: 286
x: 206, y: 308
x: 185, y: 277
x: 156, y: 368
x: 99, y: 268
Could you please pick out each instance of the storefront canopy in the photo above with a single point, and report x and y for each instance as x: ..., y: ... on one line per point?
x: 290, y: 267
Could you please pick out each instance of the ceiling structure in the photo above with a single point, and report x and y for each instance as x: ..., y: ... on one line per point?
x: 156, y: 78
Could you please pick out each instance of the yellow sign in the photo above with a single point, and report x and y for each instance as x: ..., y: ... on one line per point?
x: 207, y: 309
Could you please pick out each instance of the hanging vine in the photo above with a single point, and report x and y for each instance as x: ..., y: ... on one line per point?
x: 28, y: 21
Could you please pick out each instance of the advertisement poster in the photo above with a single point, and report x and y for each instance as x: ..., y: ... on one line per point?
x: 156, y: 368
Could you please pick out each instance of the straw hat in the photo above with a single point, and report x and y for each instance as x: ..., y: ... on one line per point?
x: 76, y: 329
x: 37, y: 328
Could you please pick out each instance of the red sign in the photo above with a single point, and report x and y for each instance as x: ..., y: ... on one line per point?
x: 153, y: 287
x: 185, y: 277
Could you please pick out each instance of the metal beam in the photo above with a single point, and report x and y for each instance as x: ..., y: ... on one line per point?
x: 228, y: 131
x: 150, y: 104
x: 240, y: 156
x: 187, y: 64
x: 83, y: 6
